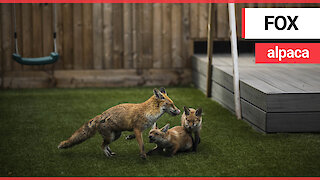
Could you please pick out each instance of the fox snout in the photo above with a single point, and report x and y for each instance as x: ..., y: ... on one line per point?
x: 175, y: 112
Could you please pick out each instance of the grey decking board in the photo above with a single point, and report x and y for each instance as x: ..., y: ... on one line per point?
x: 250, y: 112
x: 251, y: 89
x: 288, y: 109
x: 260, y: 120
x: 247, y: 92
x: 285, y: 75
x: 293, y: 86
x: 248, y: 78
x: 224, y: 79
x: 294, y: 102
x: 293, y: 122
x: 199, y: 80
x: 312, y: 74
x: 284, y: 102
x: 199, y: 65
x: 273, y: 81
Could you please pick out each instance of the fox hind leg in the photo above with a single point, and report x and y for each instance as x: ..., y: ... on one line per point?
x: 114, y: 135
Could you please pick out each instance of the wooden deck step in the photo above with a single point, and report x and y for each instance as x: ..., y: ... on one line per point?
x: 274, y: 98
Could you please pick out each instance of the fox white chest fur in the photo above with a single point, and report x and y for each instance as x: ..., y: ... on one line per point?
x: 152, y: 118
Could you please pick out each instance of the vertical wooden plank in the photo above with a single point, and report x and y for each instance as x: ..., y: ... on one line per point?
x: 194, y: 20
x: 47, y: 30
x: 222, y: 21
x: 147, y: 35
x: 87, y: 37
x: 16, y: 66
x: 238, y: 8
x: 117, y: 43
x: 107, y: 35
x: 135, y: 36
x: 157, y: 36
x: 187, y: 43
x: 166, y: 34
x: 203, y: 20
x: 1, y: 51
x: 77, y: 36
x: 37, y: 46
x: 26, y: 33
x: 97, y: 36
x: 67, y: 36
x: 176, y: 35
x: 127, y: 30
x: 59, y: 21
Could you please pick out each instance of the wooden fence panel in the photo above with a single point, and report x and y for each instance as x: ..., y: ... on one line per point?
x: 157, y: 36
x: 87, y: 37
x: 176, y: 35
x: 117, y: 43
x: 47, y: 26
x: 166, y: 34
x: 222, y: 21
x: 67, y: 36
x: 194, y: 20
x: 136, y: 48
x: 127, y: 33
x: 97, y: 36
x: 37, y: 46
x: 107, y: 35
x: 187, y: 43
x: 147, y: 38
x: 17, y: 66
x: 59, y: 30
x: 77, y: 36
x: 203, y: 20
x: 1, y: 51
x: 114, y: 36
x: 26, y: 33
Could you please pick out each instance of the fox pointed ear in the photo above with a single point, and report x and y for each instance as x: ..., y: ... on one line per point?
x: 163, y: 90
x: 165, y: 128
x: 199, y: 112
x: 154, y: 126
x: 158, y: 94
x: 186, y: 110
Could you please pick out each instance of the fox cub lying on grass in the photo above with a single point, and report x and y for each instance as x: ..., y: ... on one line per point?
x: 191, y: 120
x: 170, y: 140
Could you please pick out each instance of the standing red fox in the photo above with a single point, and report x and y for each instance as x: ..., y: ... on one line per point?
x: 125, y: 117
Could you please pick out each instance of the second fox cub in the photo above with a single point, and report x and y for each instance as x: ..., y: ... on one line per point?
x: 124, y: 117
x: 191, y: 120
x: 170, y: 140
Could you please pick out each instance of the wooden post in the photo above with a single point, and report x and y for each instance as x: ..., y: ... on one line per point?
x: 234, y: 52
x: 209, y: 52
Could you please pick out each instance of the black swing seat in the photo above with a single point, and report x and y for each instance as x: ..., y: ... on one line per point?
x: 36, y: 61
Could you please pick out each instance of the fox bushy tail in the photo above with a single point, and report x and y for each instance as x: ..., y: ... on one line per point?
x: 82, y: 134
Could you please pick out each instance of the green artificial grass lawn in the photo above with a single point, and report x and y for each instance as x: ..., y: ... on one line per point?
x: 33, y: 122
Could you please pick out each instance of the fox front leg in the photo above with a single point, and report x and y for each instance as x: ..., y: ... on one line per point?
x: 139, y: 138
x: 174, y: 150
x: 196, y: 141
